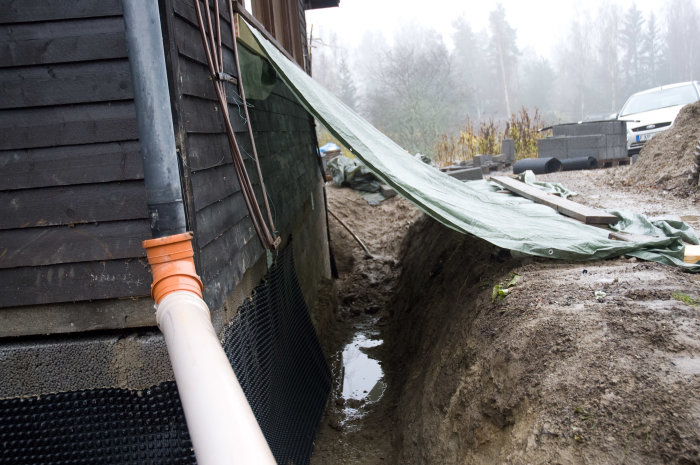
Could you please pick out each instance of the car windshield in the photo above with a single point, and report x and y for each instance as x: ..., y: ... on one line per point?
x: 662, y: 98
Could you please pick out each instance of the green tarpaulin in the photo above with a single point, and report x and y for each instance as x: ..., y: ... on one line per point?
x: 475, y: 207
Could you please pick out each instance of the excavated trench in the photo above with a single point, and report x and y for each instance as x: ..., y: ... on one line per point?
x: 372, y: 338
x: 570, y: 363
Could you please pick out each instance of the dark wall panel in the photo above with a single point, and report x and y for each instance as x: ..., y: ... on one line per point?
x: 73, y: 282
x: 68, y: 41
x: 72, y: 200
x: 70, y: 164
x: 20, y: 11
x: 67, y: 125
x: 71, y: 244
x: 67, y: 205
x: 62, y: 84
x: 226, y: 240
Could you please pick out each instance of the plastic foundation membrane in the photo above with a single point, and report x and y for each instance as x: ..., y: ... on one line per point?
x: 273, y: 349
x: 276, y: 355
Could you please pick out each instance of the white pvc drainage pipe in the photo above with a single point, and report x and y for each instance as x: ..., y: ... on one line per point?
x: 222, y: 426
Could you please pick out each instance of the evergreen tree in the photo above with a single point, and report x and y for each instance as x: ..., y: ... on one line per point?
x: 346, y: 90
x: 468, y: 64
x: 683, y: 40
x: 652, y: 58
x: 504, y: 55
x: 411, y: 98
x: 537, y: 83
x: 605, y: 95
x: 631, y: 42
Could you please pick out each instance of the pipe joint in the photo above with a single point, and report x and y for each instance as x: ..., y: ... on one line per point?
x: 172, y: 265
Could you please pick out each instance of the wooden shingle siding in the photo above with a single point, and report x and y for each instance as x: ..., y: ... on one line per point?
x: 224, y: 236
x: 68, y: 244
x: 32, y: 11
x: 226, y: 242
x: 72, y: 199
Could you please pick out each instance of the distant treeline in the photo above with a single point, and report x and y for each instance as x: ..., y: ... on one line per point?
x: 417, y: 91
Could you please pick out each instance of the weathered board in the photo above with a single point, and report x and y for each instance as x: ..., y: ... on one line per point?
x: 59, y: 283
x: 566, y: 207
x: 72, y: 244
x: 12, y: 11
x: 218, y: 217
x: 72, y: 41
x: 63, y: 84
x: 692, y: 253
x: 65, y: 205
x: 70, y: 164
x: 27, y: 128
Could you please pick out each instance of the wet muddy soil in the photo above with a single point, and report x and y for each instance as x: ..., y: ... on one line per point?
x: 595, y: 362
x: 358, y: 423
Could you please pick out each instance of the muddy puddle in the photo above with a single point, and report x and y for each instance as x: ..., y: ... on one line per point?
x: 362, y: 380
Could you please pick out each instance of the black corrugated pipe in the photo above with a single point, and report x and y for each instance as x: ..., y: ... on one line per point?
x: 579, y: 163
x: 537, y: 165
x: 157, y: 138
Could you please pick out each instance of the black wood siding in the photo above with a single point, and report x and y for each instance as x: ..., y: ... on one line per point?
x: 72, y: 199
x: 226, y: 242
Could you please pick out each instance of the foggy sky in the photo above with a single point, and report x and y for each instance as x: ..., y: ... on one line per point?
x: 539, y: 24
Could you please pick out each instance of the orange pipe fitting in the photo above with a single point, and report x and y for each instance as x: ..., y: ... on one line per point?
x: 172, y: 265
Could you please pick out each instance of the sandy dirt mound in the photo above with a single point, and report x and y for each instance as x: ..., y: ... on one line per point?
x: 579, y: 363
x: 666, y: 160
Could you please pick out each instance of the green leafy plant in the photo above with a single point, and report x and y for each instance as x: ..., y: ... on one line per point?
x: 685, y: 298
x: 501, y: 290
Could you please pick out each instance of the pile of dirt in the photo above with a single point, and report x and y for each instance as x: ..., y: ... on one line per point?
x: 666, y: 160
x: 579, y: 363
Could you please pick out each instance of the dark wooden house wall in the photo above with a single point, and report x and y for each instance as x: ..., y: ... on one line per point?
x: 72, y: 199
x: 226, y: 242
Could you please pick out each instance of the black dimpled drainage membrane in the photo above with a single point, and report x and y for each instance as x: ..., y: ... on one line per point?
x: 275, y: 353
x: 102, y: 426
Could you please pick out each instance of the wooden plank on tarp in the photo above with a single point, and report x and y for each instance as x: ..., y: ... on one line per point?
x: 566, y: 207
x: 692, y: 253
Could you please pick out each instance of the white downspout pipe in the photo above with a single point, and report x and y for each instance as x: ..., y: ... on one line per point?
x: 221, y: 423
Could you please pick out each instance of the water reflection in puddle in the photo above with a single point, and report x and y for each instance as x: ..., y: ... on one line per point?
x: 362, y: 375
